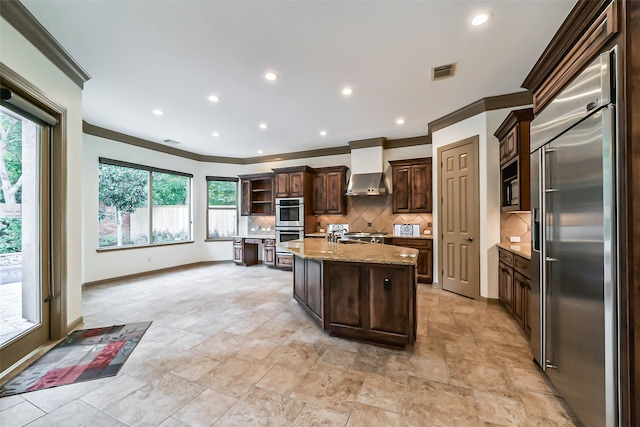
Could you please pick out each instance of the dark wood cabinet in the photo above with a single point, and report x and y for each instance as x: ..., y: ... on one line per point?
x: 515, y: 286
x: 270, y: 252
x: 293, y: 181
x: 257, y: 196
x: 245, y: 251
x: 514, y: 136
x: 237, y: 250
x: 425, y: 255
x: 329, y: 189
x: 284, y: 261
x: 308, y: 286
x: 371, y: 302
x: 412, y: 185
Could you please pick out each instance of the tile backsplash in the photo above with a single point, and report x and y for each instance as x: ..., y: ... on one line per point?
x: 261, y: 225
x: 374, y: 210
x: 516, y: 224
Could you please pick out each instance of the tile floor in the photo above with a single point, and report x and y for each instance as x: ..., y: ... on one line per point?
x: 230, y: 347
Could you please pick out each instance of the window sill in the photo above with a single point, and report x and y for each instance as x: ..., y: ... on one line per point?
x: 225, y: 239
x: 153, y: 245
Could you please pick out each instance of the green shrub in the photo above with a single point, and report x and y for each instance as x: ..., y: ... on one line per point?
x: 10, y: 235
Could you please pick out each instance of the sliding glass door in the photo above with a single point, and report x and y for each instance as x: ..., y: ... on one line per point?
x: 24, y: 236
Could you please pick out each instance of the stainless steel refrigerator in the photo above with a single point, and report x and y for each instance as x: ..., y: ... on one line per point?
x: 574, y: 289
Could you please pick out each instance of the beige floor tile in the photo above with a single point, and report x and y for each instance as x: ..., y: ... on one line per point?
x: 77, y: 413
x: 112, y: 391
x: 51, y: 399
x: 500, y: 410
x: 236, y: 375
x: 221, y: 346
x: 441, y: 404
x: 189, y: 341
x: 297, y: 354
x: 392, y: 364
x: 337, y: 358
x: 381, y: 393
x: 480, y: 375
x: 282, y: 379
x: 529, y: 378
x: 9, y: 401
x: 314, y: 416
x: 546, y: 410
x: 154, y: 403
x: 205, y: 408
x: 330, y: 388
x: 20, y: 415
x: 195, y: 367
x: 370, y: 416
x: 258, y: 349
x: 261, y: 407
x: 428, y: 368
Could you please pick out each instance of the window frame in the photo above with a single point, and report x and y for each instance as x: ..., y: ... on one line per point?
x: 150, y: 170
x: 208, y: 208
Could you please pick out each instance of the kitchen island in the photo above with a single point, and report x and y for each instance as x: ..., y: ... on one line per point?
x: 362, y: 291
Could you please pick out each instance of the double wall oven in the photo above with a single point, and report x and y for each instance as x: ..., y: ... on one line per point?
x: 289, y: 219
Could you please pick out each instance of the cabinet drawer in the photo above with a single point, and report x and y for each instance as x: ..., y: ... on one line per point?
x: 411, y: 243
x: 284, y: 260
x: 269, y: 242
x: 505, y: 257
x: 253, y: 241
x: 237, y: 240
x: 522, y: 266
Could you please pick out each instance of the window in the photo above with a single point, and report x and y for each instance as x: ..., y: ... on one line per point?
x: 222, y: 207
x: 125, y: 216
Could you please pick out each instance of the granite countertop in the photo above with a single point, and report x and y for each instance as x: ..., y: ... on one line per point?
x: 420, y: 237
x: 521, y: 249
x: 373, y: 253
x: 257, y: 236
x: 318, y: 234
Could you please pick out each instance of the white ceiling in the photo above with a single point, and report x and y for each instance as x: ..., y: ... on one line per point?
x: 172, y: 55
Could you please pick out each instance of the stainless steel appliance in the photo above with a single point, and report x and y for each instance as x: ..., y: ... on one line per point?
x: 290, y: 212
x: 365, y: 237
x: 285, y: 234
x: 574, y: 289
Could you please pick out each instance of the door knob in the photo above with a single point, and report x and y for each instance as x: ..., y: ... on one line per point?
x: 469, y: 239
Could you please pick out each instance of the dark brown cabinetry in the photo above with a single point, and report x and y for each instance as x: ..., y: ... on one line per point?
x: 257, y: 196
x: 371, y: 302
x: 425, y: 255
x: 412, y: 192
x: 329, y: 189
x: 270, y: 252
x: 245, y: 250
x: 515, y: 286
x: 293, y: 181
x: 307, y: 286
x: 513, y: 134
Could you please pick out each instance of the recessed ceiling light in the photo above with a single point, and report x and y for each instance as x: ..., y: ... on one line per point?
x: 400, y: 121
x: 215, y: 134
x: 259, y: 151
x: 347, y: 91
x: 480, y: 18
x: 214, y: 98
x: 263, y: 125
x: 158, y: 112
x: 271, y: 76
x: 323, y: 133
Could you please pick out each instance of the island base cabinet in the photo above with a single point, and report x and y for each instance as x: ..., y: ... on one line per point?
x: 370, y: 302
x: 307, y: 286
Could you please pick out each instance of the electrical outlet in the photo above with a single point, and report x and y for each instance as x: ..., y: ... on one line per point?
x: 514, y: 239
x: 368, y: 224
x: 429, y: 224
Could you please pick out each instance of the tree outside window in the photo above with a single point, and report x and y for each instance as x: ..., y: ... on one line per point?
x: 222, y: 207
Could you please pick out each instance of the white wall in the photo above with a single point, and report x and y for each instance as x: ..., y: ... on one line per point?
x: 109, y: 264
x: 19, y: 55
x: 483, y: 125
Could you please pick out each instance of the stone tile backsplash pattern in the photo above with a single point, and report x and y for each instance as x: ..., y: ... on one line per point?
x: 515, y: 224
x: 261, y: 225
x: 377, y: 210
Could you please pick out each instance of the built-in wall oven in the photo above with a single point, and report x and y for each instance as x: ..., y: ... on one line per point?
x: 286, y: 234
x: 290, y: 212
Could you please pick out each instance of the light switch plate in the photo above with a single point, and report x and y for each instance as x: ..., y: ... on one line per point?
x: 514, y: 239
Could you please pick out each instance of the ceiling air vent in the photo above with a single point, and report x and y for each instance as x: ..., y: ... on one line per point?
x: 171, y: 142
x: 443, y: 71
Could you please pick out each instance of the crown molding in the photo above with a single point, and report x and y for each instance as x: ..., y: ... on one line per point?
x: 16, y: 14
x: 490, y: 103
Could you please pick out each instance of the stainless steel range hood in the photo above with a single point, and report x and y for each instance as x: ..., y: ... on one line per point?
x: 366, y: 184
x: 367, y: 172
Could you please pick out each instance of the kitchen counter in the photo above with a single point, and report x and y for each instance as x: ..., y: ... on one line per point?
x: 420, y: 237
x: 372, y: 253
x: 520, y: 249
x: 256, y: 236
x: 362, y: 291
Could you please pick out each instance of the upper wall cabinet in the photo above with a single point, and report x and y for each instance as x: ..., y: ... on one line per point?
x: 412, y: 192
x: 293, y: 181
x: 329, y: 189
x: 513, y: 135
x: 257, y: 196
